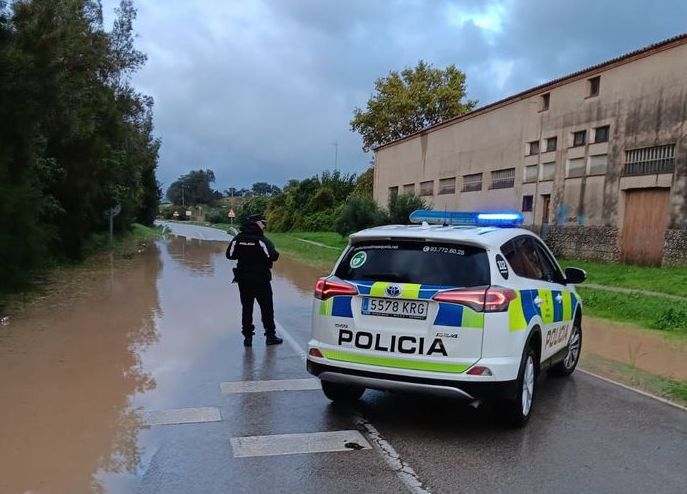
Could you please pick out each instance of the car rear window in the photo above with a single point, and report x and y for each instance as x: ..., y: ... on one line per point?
x: 427, y: 263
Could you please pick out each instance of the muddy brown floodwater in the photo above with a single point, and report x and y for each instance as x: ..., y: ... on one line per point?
x: 76, y: 367
x: 650, y: 351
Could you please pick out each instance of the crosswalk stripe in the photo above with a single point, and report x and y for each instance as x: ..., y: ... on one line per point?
x: 266, y: 386
x: 290, y: 444
x: 181, y: 416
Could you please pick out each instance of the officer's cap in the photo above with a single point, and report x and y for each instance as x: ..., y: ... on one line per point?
x: 254, y: 218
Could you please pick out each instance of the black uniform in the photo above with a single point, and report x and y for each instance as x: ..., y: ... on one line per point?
x: 255, y: 254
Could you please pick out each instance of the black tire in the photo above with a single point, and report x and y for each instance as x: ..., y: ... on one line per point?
x: 514, y: 412
x: 342, y: 393
x: 567, y: 366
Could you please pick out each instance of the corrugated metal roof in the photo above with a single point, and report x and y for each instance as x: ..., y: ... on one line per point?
x: 627, y: 57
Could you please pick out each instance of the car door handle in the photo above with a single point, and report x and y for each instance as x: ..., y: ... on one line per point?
x: 538, y: 300
x: 559, y: 298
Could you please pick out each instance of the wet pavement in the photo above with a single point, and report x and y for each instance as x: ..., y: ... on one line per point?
x: 84, y: 373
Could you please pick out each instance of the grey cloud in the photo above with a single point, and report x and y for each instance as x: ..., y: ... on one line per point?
x: 259, y: 90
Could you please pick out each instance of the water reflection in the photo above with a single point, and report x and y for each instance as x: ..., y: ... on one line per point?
x: 68, y: 369
x: 195, y: 254
x: 301, y: 276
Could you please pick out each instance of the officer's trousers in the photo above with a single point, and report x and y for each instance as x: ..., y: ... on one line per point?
x: 251, y: 291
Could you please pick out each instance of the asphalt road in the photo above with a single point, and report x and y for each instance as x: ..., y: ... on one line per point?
x: 586, y: 435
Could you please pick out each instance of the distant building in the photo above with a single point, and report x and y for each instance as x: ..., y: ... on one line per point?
x: 595, y: 160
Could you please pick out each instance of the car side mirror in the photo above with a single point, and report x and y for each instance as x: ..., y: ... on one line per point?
x: 575, y: 275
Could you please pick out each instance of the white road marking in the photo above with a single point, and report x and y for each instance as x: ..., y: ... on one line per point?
x: 630, y: 388
x: 181, y: 416
x: 402, y: 469
x: 293, y: 444
x: 266, y: 386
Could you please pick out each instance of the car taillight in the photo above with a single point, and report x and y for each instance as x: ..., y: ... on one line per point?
x: 494, y: 299
x: 326, y: 288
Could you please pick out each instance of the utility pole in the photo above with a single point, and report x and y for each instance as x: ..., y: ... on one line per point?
x: 182, y: 196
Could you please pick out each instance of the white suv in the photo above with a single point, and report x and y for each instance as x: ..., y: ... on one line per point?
x: 472, y: 308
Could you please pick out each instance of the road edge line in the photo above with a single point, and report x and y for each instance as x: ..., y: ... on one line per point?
x: 400, y: 467
x: 638, y: 391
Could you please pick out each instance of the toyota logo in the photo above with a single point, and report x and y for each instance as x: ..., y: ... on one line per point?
x: 393, y: 291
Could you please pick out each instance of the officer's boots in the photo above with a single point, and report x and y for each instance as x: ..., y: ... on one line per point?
x: 273, y: 339
x: 247, y: 341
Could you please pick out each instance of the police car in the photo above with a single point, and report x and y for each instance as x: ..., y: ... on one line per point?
x: 461, y: 304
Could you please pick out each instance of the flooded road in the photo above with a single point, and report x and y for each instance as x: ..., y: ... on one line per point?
x: 82, y: 372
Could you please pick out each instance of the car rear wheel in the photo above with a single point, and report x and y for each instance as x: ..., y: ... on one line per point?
x: 342, y: 393
x: 566, y: 366
x: 516, y: 411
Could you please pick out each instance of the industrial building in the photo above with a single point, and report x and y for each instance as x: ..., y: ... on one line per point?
x: 596, y: 160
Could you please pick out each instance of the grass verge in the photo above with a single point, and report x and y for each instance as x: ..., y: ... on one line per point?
x: 649, y: 312
x: 671, y: 280
x: 629, y: 375
x: 310, y: 254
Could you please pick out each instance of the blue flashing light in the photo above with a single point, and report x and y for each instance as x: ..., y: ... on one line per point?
x: 468, y: 218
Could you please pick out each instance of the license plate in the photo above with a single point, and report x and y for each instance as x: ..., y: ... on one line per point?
x: 407, y: 309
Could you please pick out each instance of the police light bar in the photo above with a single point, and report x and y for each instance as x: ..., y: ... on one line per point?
x: 467, y: 218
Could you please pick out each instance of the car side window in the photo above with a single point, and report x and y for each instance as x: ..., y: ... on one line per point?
x: 549, y: 270
x: 529, y: 259
x: 521, y: 255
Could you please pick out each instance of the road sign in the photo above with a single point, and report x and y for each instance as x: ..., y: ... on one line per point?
x: 231, y: 214
x: 189, y: 213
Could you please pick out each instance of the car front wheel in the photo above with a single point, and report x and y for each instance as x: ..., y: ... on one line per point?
x: 516, y: 411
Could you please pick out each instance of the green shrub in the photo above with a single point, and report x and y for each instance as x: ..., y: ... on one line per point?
x: 401, y: 205
x: 358, y: 213
x: 322, y: 221
x: 671, y: 319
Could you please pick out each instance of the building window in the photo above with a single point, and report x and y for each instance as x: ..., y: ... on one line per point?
x: 594, y: 86
x: 598, y: 164
x: 548, y: 170
x: 533, y: 148
x: 579, y: 138
x: 409, y: 189
x: 527, y: 203
x: 545, y: 100
x: 648, y: 161
x: 601, y: 134
x: 447, y: 185
x: 551, y: 144
x: 472, y: 183
x: 576, y: 167
x: 427, y: 188
x: 393, y: 191
x: 503, y: 179
x: 531, y: 173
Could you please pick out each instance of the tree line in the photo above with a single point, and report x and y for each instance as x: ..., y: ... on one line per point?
x: 76, y: 138
x: 330, y: 201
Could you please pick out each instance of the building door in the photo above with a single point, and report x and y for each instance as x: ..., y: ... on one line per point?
x: 644, y: 226
x: 546, y: 205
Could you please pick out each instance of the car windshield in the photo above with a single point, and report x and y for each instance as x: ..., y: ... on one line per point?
x: 427, y: 263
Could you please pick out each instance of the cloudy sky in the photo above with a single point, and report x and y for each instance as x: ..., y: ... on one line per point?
x: 260, y: 90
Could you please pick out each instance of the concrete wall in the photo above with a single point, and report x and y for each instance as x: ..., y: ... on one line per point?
x: 643, y: 101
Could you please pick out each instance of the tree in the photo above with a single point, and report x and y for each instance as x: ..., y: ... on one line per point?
x: 358, y: 213
x: 364, y: 184
x: 193, y: 188
x: 265, y: 189
x: 81, y: 138
x: 409, y: 101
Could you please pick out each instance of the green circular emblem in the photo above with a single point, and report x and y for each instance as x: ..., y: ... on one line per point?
x: 358, y: 259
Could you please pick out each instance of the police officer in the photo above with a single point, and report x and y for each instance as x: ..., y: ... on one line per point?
x: 255, y: 254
